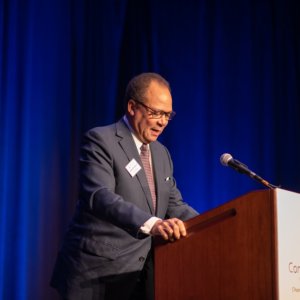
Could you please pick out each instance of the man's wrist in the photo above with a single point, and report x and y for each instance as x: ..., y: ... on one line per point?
x: 148, y: 225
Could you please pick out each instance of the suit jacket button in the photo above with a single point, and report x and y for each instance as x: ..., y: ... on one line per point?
x: 141, y: 259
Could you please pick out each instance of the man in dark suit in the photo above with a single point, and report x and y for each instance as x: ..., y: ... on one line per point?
x: 127, y: 196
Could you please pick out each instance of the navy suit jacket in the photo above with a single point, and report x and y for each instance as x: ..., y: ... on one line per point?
x: 104, y: 237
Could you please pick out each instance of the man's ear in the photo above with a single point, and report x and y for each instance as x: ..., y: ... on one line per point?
x: 131, y: 107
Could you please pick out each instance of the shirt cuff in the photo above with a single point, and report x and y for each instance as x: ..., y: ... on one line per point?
x: 147, y: 226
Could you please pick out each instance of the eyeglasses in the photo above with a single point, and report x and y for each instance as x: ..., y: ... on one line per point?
x: 157, y: 114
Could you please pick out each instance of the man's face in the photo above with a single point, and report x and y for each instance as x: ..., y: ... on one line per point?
x: 147, y: 128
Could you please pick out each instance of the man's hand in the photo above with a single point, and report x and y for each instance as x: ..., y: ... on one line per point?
x: 170, y: 229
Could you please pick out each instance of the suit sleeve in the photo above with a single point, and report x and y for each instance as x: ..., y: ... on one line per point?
x: 177, y: 207
x: 97, y: 186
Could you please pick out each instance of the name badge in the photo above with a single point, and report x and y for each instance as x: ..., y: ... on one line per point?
x: 133, y: 167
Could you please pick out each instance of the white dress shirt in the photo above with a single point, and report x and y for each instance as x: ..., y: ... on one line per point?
x: 147, y: 226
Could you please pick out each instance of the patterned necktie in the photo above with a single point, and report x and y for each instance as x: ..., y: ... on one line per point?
x: 145, y: 157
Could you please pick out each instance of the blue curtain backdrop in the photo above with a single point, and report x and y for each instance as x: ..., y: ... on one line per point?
x: 234, y: 68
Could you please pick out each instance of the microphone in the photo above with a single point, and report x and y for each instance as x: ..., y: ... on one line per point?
x: 227, y: 160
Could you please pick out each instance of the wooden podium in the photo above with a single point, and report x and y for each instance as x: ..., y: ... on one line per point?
x: 248, y: 248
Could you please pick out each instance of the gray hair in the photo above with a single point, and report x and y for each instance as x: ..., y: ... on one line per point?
x: 138, y: 85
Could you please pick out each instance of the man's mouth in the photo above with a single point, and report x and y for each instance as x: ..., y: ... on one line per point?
x: 155, y: 131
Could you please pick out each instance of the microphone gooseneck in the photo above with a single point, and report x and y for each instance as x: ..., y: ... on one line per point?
x: 227, y: 160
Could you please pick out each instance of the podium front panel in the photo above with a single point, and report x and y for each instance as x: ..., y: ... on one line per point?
x: 288, y: 230
x: 229, y: 253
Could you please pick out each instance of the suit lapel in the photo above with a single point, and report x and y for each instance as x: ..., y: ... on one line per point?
x: 126, y: 142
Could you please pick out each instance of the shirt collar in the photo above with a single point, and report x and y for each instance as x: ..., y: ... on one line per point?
x: 137, y: 142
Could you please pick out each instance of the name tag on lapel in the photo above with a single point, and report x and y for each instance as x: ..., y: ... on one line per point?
x: 133, y: 167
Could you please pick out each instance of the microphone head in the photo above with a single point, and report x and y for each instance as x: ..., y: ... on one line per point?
x: 225, y: 158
